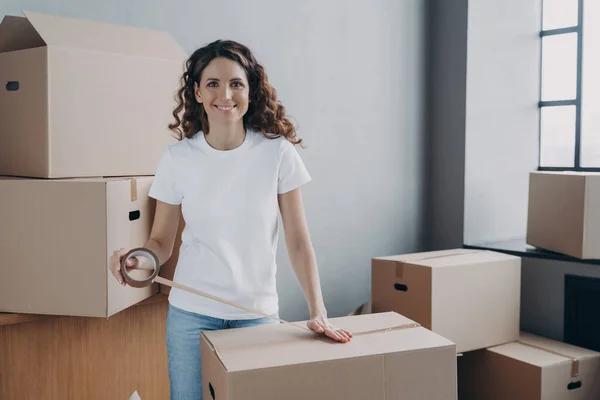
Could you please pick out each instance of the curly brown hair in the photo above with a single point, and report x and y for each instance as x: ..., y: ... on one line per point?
x: 265, y: 113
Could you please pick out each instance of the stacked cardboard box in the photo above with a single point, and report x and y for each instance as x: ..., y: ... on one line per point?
x: 564, y: 213
x: 83, y: 122
x: 471, y: 297
x: 533, y: 368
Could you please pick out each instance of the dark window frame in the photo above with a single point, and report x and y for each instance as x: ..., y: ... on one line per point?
x: 578, y: 29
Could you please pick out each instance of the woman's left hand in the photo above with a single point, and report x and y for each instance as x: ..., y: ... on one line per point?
x: 320, y: 324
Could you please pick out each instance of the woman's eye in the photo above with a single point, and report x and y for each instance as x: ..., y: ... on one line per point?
x: 238, y: 84
x: 212, y: 84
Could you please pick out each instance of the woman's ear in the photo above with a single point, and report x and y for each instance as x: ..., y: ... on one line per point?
x: 197, y: 93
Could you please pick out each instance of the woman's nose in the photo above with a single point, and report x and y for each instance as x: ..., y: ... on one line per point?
x: 226, y: 93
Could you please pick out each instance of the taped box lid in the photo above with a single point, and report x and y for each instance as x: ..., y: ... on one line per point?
x: 448, y: 258
x: 269, y: 346
x: 543, y: 352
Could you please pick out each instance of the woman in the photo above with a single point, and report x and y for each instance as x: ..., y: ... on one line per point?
x: 233, y: 170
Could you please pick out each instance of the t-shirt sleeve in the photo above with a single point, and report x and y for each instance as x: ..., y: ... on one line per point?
x: 164, y: 185
x: 292, y: 171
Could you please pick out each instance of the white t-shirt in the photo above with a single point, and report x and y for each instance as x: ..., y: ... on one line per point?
x: 230, y: 206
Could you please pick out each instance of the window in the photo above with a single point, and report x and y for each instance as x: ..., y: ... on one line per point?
x: 570, y: 85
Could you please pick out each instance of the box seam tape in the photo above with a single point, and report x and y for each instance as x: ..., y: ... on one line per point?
x: 399, y: 270
x: 585, y: 209
x: 133, y: 189
x: 574, y: 360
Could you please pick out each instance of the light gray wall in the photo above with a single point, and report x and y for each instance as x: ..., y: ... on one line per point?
x: 351, y: 74
x: 542, y: 294
x: 501, y: 140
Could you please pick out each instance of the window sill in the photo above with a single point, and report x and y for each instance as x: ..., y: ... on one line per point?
x: 519, y: 247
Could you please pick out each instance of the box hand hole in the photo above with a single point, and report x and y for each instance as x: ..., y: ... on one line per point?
x: 12, y: 86
x: 400, y: 287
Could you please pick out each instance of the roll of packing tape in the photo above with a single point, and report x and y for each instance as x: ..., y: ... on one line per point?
x: 144, y: 253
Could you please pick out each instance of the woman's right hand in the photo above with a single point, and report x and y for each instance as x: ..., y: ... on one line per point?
x: 114, y: 264
x: 162, y: 237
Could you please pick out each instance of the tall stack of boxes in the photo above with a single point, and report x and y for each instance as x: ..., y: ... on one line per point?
x: 472, y: 297
x: 84, y: 114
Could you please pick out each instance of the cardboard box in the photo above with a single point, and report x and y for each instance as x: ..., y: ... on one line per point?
x: 81, y: 358
x: 388, y: 360
x: 471, y: 297
x: 82, y: 98
x: 535, y: 368
x: 564, y: 213
x: 365, y: 308
x: 57, y: 236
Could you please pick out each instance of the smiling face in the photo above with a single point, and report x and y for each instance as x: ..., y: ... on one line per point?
x: 223, y: 91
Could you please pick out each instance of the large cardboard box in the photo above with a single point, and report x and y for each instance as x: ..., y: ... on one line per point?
x: 471, y: 297
x: 534, y: 368
x: 56, y: 238
x: 564, y: 213
x: 82, y: 98
x: 386, y: 359
x: 80, y: 358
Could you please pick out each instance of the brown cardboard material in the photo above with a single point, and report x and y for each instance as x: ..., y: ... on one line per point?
x: 57, y: 237
x: 530, y: 369
x: 564, y: 213
x: 471, y: 297
x: 82, y: 98
x: 82, y: 358
x: 365, y: 308
x: 274, y: 362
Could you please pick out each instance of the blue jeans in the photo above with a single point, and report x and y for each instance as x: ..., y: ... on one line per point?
x: 183, y: 348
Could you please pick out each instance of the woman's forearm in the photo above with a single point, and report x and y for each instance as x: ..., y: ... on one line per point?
x: 161, y: 250
x: 304, y: 264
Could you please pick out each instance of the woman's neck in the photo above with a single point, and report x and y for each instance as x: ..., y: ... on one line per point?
x: 226, y: 137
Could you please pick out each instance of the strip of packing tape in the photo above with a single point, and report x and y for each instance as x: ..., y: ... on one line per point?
x: 143, y: 252
x: 133, y: 189
x: 399, y: 270
x: 574, y: 361
x: 400, y: 264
